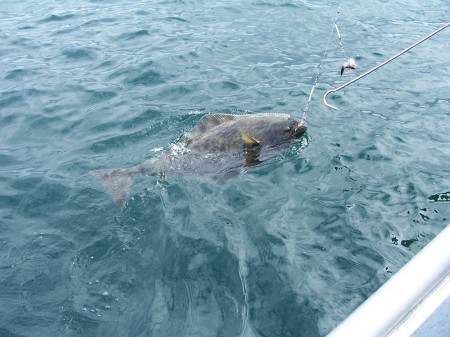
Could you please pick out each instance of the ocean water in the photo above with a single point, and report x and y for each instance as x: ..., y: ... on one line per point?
x: 288, y: 249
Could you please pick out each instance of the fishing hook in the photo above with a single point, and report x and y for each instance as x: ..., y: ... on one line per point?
x: 379, y: 66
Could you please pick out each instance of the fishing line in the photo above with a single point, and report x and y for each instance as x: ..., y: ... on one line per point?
x: 340, y: 40
x: 305, y: 111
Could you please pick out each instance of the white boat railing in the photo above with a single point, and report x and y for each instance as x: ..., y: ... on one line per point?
x: 407, y: 299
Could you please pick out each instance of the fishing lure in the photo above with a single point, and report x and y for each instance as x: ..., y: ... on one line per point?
x: 350, y: 64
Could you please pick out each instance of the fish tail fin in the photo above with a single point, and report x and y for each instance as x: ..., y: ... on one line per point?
x: 117, y: 182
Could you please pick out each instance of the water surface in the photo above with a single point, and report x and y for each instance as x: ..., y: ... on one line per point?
x: 289, y: 249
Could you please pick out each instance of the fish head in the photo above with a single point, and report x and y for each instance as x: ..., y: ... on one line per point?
x: 297, y: 128
x: 279, y: 130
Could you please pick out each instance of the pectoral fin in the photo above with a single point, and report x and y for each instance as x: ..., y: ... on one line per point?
x: 253, y: 150
x: 252, y: 158
x: 249, y: 140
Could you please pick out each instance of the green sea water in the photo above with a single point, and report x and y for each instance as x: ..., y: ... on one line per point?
x: 289, y: 248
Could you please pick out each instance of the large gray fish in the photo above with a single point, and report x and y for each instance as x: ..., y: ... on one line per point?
x: 219, y: 146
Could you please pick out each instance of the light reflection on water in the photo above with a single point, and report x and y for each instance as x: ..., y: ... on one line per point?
x: 289, y: 249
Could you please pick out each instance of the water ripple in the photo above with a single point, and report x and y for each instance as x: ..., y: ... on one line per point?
x: 289, y: 248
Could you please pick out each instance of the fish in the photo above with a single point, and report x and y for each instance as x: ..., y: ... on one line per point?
x: 219, y: 146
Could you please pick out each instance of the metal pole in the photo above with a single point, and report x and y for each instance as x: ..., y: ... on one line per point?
x: 379, y: 66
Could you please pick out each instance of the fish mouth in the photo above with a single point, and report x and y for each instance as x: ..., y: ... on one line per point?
x: 299, y: 129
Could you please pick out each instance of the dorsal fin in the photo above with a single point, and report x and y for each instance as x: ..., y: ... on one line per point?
x: 208, y: 122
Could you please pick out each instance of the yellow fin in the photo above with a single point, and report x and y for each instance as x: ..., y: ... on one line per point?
x: 249, y: 140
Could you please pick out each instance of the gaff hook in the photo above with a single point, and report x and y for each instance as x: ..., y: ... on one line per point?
x: 379, y: 66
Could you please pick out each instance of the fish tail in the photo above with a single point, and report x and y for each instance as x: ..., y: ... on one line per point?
x: 117, y: 182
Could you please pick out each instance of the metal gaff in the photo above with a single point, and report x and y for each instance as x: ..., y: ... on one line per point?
x: 379, y: 66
